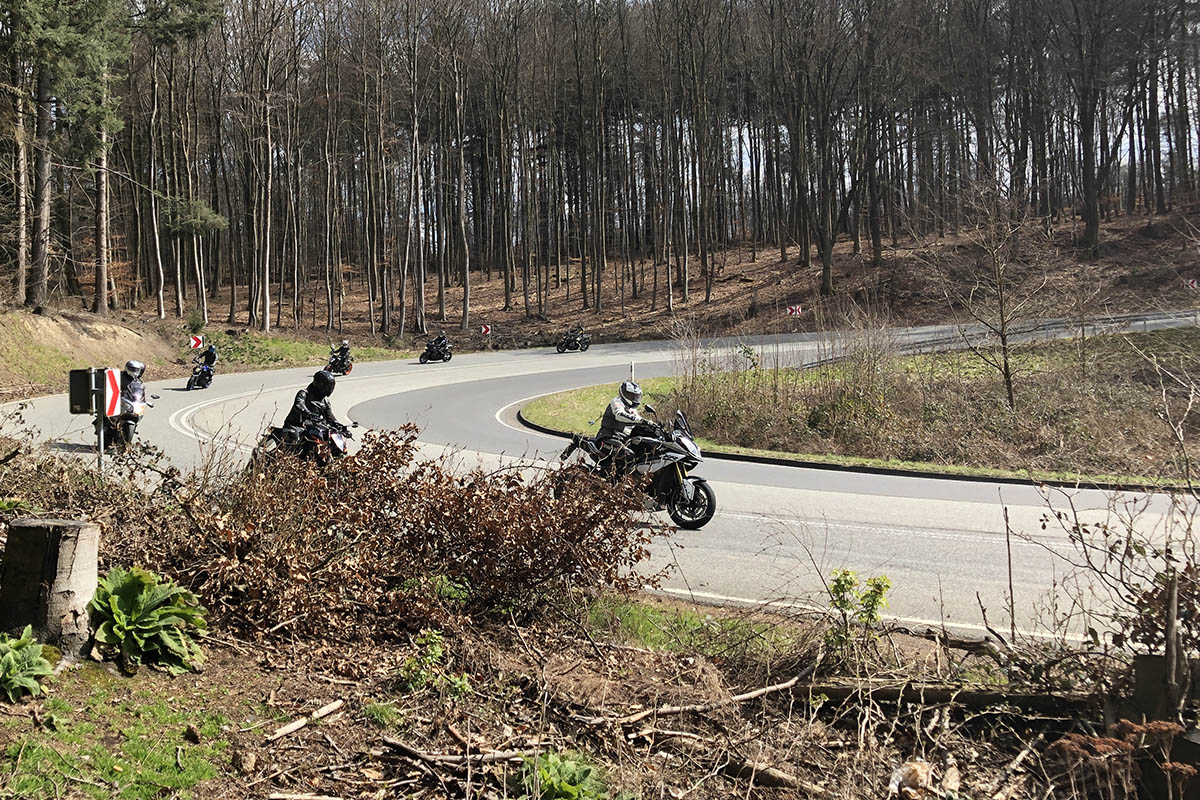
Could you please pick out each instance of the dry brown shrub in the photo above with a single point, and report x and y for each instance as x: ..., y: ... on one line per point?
x: 382, y: 542
x: 376, y: 544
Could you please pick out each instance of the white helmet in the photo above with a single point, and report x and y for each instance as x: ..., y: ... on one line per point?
x: 631, y: 393
x: 345, y: 343
x: 134, y: 369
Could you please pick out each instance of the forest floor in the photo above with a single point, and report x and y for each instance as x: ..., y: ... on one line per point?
x: 1140, y: 268
x: 556, y: 698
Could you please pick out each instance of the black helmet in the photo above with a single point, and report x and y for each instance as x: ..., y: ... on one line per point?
x: 212, y: 348
x: 322, y: 385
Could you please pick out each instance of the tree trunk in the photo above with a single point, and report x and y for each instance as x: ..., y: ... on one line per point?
x: 37, y: 292
x: 47, y: 579
x: 100, y: 304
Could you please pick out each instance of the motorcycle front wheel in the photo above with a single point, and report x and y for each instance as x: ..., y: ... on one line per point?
x: 584, y: 345
x: 446, y: 356
x: 191, y: 383
x: 695, y: 514
x: 349, y: 368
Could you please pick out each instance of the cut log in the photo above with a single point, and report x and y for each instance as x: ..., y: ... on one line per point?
x: 47, y: 579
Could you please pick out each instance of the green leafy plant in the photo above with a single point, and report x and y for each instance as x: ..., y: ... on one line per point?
x: 21, y: 665
x: 857, y: 608
x: 148, y: 619
x: 383, y: 715
x: 551, y: 776
x: 426, y: 667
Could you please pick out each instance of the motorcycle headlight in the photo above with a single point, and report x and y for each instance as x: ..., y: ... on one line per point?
x: 691, y: 447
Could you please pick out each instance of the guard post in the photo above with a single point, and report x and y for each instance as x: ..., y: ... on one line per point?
x: 95, y: 391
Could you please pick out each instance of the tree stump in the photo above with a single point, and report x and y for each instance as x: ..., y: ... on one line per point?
x: 47, y: 579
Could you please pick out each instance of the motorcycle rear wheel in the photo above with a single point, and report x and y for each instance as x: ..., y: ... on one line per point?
x: 424, y: 358
x: 695, y: 515
x: 562, y: 348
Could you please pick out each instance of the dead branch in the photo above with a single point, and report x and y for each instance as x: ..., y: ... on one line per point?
x: 737, y: 766
x: 447, y: 759
x: 296, y: 725
x: 701, y: 708
x: 945, y: 693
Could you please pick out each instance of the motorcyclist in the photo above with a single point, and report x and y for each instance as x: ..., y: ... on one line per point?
x: 209, y: 357
x: 439, y: 341
x: 312, y: 403
x: 343, y: 352
x: 617, y: 424
x: 131, y: 378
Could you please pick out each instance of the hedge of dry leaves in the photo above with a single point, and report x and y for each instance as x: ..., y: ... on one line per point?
x: 377, y: 543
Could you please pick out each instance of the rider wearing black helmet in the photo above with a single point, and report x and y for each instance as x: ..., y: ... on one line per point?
x: 312, y: 402
x: 209, y: 356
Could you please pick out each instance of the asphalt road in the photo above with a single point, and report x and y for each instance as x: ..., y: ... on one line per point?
x: 779, y: 529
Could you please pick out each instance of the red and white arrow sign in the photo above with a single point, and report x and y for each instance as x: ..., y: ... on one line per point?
x: 196, y: 341
x: 112, y: 392
x: 793, y: 311
x: 1192, y: 284
x: 486, y: 330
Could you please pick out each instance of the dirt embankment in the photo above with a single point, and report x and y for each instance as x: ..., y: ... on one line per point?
x: 37, y: 350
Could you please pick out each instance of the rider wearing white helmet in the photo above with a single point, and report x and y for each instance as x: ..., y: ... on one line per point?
x: 622, y: 413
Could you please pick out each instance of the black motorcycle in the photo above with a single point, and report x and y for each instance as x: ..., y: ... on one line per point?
x: 662, y: 457
x: 437, y: 350
x: 574, y: 339
x: 339, y: 365
x: 119, y: 431
x: 317, y: 441
x: 202, y: 375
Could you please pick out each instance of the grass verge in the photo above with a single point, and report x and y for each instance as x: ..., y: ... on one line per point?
x: 103, y: 736
x: 941, y: 404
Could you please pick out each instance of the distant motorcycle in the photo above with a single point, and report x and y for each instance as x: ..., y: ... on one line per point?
x: 574, y: 339
x: 315, y: 441
x: 663, y: 457
x: 202, y: 375
x: 119, y: 431
x: 339, y: 365
x: 438, y: 349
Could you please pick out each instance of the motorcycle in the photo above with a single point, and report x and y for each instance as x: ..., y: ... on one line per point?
x: 437, y: 350
x: 316, y: 441
x: 119, y: 431
x: 574, y: 340
x: 202, y: 375
x: 663, y: 457
x: 338, y: 365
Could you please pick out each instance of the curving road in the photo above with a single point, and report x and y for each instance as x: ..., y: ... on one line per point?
x: 779, y: 529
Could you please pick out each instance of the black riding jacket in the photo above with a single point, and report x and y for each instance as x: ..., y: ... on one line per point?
x: 209, y: 358
x: 305, y: 409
